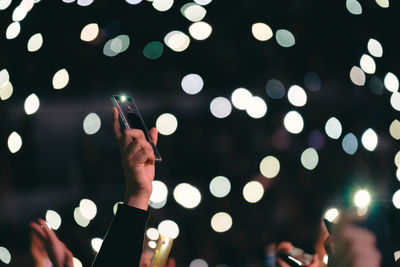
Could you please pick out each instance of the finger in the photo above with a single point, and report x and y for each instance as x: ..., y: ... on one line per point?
x: 284, y: 246
x: 38, y: 230
x: 130, y: 134
x: 52, y: 237
x: 146, y: 155
x: 171, y: 262
x: 315, y: 261
x: 68, y: 259
x: 116, y: 125
x: 154, y: 135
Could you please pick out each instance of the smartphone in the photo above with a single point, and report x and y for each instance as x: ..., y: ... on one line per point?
x: 295, y: 257
x: 130, y: 118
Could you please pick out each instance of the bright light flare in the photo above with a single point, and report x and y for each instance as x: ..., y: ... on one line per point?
x: 331, y: 214
x: 200, y: 30
x: 362, y: 198
x: 88, y: 208
x: 297, y: 96
x: 96, y: 244
x: 31, y: 104
x: 168, y: 229
x: 187, y: 195
x: 76, y: 262
x: 159, y: 194
x: 90, y: 32
x: 253, y: 191
x: 261, y: 31
x: 241, y: 98
x: 257, y: 108
x: 53, y: 219
x: 369, y: 139
x: 192, y: 83
x: 293, y: 122
x: 220, y: 186
x: 221, y: 222
x: 14, y: 142
x: 220, y: 107
x: 166, y: 124
x: 269, y: 166
x: 91, y: 123
x: 333, y: 128
x: 309, y: 158
x: 19, y: 13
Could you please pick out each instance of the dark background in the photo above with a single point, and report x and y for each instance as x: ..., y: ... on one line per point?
x: 59, y: 164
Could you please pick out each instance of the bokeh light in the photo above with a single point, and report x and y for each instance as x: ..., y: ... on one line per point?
x: 350, y: 143
x: 168, y: 228
x: 96, y: 243
x: 285, y: 38
x: 200, y: 30
x: 76, y: 262
x: 241, y: 98
x: 153, y: 50
x: 162, y: 5
x: 79, y: 218
x: 394, y: 129
x: 367, y: 64
x: 357, y: 76
x: 187, y: 195
x: 177, y: 41
x: 13, y: 30
x: 85, y: 2
x: 152, y: 244
x: 311, y: 81
x: 391, y: 82
x: 35, y: 42
x: 60, y: 79
x: 88, y: 208
x: 159, y: 194
x: 253, y: 191
x: 270, y: 166
x: 90, y: 32
x: 193, y: 12
x: 53, y: 219
x: 4, y: 4
x: 397, y: 159
x: 192, y: 83
x: 369, y: 139
x: 375, y: 48
x: 376, y: 85
x: 6, y: 90
x: 198, y: 263
x: 309, y: 158
x: 396, y: 199
x: 4, y: 77
x: 261, y: 31
x: 91, y: 123
x: 333, y: 128
x: 116, y: 45
x: 133, y: 2
x: 383, y: 4
x: 331, y: 214
x: 297, y: 96
x: 395, y: 101
x: 293, y: 122
x: 362, y: 198
x: 220, y: 186
x: 275, y: 89
x: 203, y: 2
x: 256, y: 108
x: 166, y: 124
x: 14, y: 142
x: 220, y: 107
x: 115, y: 207
x: 354, y: 7
x: 152, y: 233
x: 398, y: 174
x: 221, y: 222
x: 5, y: 255
x: 31, y: 104
x: 19, y: 13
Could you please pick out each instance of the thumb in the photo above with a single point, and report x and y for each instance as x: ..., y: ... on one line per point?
x: 153, y: 135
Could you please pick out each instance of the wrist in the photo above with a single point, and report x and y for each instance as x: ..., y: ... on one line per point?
x: 137, y: 200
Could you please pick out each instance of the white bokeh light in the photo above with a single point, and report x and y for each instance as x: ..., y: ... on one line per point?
x: 396, y: 199
x: 168, y: 228
x: 354, y: 7
x: 241, y: 98
x: 350, y: 143
x: 198, y: 263
x: 152, y: 233
x: 4, y: 4
x: 293, y: 122
x: 362, y: 198
x: 394, y: 129
x: 13, y: 30
x: 31, y: 104
x: 162, y: 5
x: 177, y: 41
x: 84, y: 2
x: 269, y: 166
x: 285, y: 38
x: 309, y: 158
x: 220, y: 107
x: 76, y: 262
x: 261, y: 31
x: 220, y: 186
x: 367, y: 64
x: 200, y: 30
x: 187, y: 195
x: 391, y: 82
x: 375, y: 48
x: 333, y: 128
x: 203, y: 2
x: 90, y: 32
x: 60, y: 79
x: 297, y: 96
x: 5, y: 255
x: 91, y: 123
x: 53, y: 219
x: 256, y: 108
x: 35, y: 42
x: 6, y: 90
x: 395, y: 101
x: 96, y: 243
x: 357, y: 76
x: 88, y: 208
x: 14, y: 142
x: 166, y: 124
x: 4, y: 77
x: 159, y: 194
x: 369, y: 139
x: 80, y: 219
x: 115, y: 207
x: 192, y: 84
x: 19, y: 13
x: 331, y: 214
x: 383, y: 4
x: 193, y: 12
x: 253, y: 191
x: 221, y: 222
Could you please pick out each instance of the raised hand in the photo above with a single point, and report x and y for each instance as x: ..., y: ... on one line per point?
x: 138, y: 160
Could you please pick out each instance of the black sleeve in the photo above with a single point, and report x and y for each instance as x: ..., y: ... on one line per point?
x: 123, y: 243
